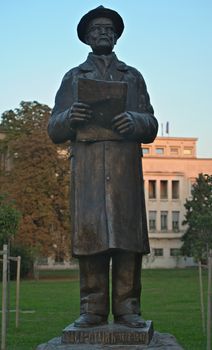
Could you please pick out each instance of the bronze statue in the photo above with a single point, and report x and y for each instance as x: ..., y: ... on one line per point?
x: 107, y: 195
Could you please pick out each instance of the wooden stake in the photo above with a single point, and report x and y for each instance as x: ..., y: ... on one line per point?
x: 8, y: 283
x: 4, y: 299
x: 18, y: 291
x: 209, y: 300
x: 201, y: 296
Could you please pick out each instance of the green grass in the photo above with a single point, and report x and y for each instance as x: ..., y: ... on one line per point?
x: 170, y: 298
x: 60, y: 274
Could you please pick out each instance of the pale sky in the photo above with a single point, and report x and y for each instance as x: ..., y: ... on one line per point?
x: 168, y: 41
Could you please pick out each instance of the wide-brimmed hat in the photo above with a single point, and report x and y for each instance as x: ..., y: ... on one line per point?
x: 100, y: 11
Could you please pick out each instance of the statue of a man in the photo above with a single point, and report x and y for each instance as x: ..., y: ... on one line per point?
x: 107, y: 195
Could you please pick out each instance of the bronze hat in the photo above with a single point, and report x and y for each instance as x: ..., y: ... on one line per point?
x: 100, y: 11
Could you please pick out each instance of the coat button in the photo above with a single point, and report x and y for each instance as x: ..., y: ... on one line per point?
x: 108, y: 178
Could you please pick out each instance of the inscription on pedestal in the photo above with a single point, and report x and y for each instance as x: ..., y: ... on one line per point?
x: 109, y: 334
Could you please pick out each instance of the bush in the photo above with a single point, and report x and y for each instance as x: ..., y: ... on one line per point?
x: 26, y: 262
x: 9, y: 219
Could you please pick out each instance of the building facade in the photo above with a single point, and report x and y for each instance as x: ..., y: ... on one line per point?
x: 170, y: 167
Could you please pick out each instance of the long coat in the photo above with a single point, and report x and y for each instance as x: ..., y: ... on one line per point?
x: 107, y: 194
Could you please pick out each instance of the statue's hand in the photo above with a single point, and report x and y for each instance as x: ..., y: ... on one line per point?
x: 80, y: 114
x: 123, y: 124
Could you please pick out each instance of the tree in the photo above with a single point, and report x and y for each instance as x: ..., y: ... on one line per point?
x: 9, y: 219
x: 198, y: 236
x: 38, y: 179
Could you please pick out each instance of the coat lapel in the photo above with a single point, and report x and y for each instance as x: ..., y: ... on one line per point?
x: 116, y: 71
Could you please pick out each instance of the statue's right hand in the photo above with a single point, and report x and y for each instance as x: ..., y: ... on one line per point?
x: 80, y: 113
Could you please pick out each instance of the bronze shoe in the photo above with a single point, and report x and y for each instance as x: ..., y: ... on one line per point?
x: 90, y: 320
x: 130, y: 320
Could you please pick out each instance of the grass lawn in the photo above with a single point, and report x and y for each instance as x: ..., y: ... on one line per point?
x: 170, y: 298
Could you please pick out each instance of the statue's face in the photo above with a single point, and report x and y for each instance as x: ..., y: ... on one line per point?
x: 101, y: 35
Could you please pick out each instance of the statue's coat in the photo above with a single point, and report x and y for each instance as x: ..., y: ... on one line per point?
x: 107, y: 194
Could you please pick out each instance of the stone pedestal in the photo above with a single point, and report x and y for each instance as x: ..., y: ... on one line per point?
x: 111, y: 334
x: 111, y: 337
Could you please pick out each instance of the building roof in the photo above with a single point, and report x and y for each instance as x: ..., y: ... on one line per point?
x: 171, y: 147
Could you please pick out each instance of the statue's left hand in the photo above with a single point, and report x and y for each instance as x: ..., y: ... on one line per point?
x: 123, y: 124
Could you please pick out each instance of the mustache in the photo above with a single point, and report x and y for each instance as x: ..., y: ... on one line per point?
x: 104, y: 38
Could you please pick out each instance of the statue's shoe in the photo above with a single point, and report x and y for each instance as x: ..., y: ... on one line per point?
x: 90, y: 320
x: 130, y: 320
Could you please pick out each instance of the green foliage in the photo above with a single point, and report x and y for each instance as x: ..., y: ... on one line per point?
x: 198, y: 237
x: 26, y: 261
x: 9, y: 219
x: 23, y: 120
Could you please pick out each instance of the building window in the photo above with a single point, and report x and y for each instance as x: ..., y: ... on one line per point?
x: 152, y: 189
x: 146, y: 150
x: 175, y: 189
x: 187, y: 151
x: 5, y: 161
x: 175, y: 252
x: 191, y: 185
x: 175, y: 221
x: 159, y: 150
x: 158, y: 251
x: 164, y: 189
x: 2, y: 161
x: 174, y: 151
x: 152, y: 220
x: 164, y: 220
